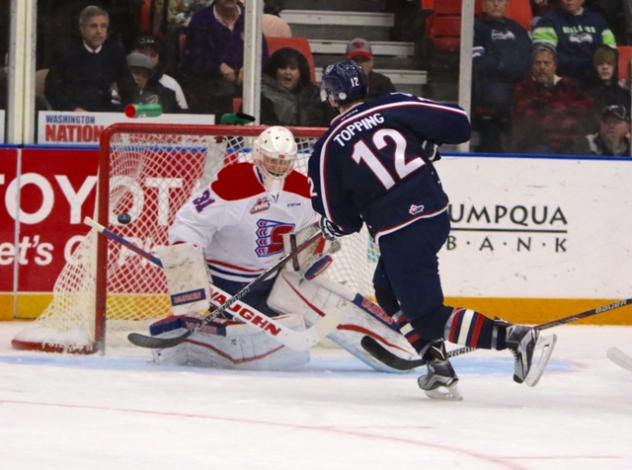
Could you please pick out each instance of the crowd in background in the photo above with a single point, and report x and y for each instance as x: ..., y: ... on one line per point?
x: 556, y: 90
x: 553, y: 89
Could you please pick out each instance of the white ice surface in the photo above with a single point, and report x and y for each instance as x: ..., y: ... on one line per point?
x: 119, y: 411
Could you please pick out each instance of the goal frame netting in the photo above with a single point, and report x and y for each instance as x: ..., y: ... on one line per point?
x: 40, y: 336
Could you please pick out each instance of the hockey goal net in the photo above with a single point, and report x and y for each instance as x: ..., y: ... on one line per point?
x: 147, y: 172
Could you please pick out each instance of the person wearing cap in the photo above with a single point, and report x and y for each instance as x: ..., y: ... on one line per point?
x: 500, y: 60
x: 551, y: 114
x: 148, y: 89
x: 83, y: 77
x: 151, y: 47
x: 359, y: 50
x: 613, y: 137
x: 575, y: 32
x: 606, y: 87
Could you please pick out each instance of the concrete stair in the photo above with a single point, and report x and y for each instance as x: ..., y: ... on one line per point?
x: 328, y: 32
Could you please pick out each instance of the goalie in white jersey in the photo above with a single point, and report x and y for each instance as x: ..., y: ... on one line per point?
x: 236, y: 227
x: 237, y: 222
x: 240, y: 218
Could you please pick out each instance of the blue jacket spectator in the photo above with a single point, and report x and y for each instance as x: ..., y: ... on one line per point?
x: 575, y: 32
x: 501, y: 59
x: 85, y: 74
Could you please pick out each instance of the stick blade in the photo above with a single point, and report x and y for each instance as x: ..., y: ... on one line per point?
x: 152, y: 342
x: 383, y: 355
x: 620, y: 358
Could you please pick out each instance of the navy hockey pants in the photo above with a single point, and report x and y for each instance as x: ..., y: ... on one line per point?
x: 407, y: 275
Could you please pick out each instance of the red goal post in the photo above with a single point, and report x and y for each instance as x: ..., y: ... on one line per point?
x: 147, y: 171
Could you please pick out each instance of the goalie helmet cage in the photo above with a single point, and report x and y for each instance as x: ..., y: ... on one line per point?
x: 146, y: 172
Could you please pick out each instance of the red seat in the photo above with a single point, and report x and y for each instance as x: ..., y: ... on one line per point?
x: 444, y: 32
x: 298, y: 43
x: 447, y: 7
x: 625, y: 53
x: 520, y: 11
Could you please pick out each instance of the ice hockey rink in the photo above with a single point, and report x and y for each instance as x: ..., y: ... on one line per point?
x: 120, y: 411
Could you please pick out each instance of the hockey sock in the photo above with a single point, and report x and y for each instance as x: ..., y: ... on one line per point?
x: 474, y: 329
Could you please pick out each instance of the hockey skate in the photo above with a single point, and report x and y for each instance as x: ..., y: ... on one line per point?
x: 441, y: 380
x: 524, y: 341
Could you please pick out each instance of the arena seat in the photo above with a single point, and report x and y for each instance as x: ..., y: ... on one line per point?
x: 300, y: 44
x: 625, y: 54
x: 443, y: 26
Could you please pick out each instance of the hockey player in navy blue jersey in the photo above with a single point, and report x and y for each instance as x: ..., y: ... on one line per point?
x: 374, y: 166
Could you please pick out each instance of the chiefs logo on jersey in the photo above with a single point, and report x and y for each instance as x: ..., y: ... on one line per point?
x: 261, y: 205
x: 269, y: 236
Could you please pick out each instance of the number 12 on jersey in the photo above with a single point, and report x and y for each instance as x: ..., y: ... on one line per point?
x: 380, y: 139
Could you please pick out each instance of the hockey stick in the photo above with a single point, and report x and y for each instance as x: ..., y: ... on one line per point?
x: 297, y: 340
x: 620, y: 358
x: 382, y: 354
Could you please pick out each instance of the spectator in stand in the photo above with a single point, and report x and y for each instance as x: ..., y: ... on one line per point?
x: 613, y: 137
x: 84, y: 76
x: 148, y: 89
x: 614, y: 13
x: 359, y: 50
x: 288, y: 97
x: 213, y: 56
x: 551, y: 114
x: 152, y: 48
x: 606, y: 88
x: 575, y: 32
x: 500, y: 60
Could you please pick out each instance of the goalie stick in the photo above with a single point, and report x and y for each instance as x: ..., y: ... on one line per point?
x: 620, y: 358
x: 382, y: 354
x: 297, y: 340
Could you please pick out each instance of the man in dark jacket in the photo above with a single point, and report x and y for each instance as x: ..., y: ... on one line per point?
x: 359, y: 50
x: 500, y: 60
x: 84, y: 76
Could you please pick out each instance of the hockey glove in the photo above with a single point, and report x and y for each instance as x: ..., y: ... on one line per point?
x: 436, y: 156
x: 329, y: 229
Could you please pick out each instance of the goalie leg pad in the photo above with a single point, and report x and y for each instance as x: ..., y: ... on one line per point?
x: 313, y: 299
x: 227, y: 344
x: 187, y: 277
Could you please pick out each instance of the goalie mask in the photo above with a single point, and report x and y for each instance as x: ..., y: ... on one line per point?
x: 274, y: 153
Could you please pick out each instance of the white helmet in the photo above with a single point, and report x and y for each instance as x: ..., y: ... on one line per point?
x: 274, y: 153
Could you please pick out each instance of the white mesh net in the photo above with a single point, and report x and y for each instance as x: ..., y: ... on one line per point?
x: 151, y: 175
